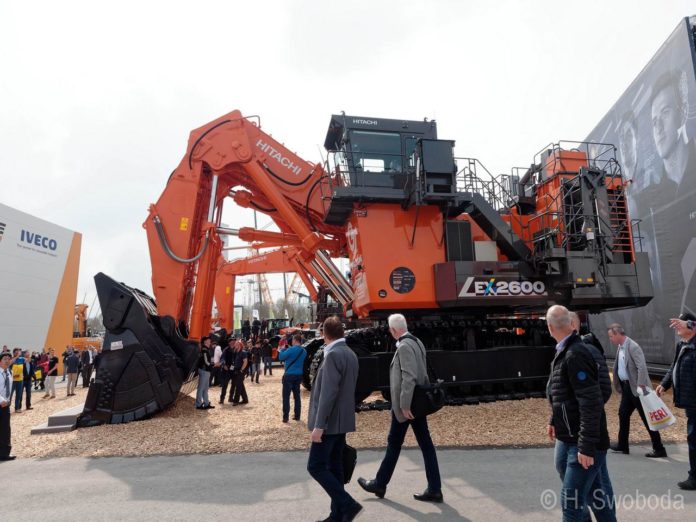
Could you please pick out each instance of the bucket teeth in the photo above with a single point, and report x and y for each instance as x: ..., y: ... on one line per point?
x: 145, y: 363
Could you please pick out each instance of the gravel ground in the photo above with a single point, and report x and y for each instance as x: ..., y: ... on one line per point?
x: 257, y: 426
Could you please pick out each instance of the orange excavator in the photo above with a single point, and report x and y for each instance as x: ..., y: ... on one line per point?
x: 471, y: 260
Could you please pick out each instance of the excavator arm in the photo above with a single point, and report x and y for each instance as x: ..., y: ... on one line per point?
x: 228, y: 157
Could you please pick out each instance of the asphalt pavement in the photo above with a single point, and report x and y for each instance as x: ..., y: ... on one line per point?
x: 479, y: 485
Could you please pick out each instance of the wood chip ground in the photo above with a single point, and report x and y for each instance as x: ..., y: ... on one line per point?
x: 257, y: 426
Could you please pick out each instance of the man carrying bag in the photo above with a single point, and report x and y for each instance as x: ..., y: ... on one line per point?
x: 408, y: 369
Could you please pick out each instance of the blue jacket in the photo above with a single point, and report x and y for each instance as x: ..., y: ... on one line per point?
x: 295, y: 355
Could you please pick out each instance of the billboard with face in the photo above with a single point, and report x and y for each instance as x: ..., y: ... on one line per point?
x: 653, y: 125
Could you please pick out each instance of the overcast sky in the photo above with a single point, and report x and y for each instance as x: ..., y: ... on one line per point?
x: 98, y: 98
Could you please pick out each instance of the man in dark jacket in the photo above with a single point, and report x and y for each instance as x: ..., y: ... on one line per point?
x: 331, y: 416
x: 28, y: 373
x: 267, y: 356
x: 226, y: 368
x: 578, y: 423
x: 255, y: 329
x: 682, y: 377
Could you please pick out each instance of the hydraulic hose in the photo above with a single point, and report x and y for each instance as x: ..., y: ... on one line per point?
x: 163, y: 240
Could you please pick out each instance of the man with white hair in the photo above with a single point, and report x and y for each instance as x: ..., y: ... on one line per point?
x: 578, y: 423
x: 408, y: 369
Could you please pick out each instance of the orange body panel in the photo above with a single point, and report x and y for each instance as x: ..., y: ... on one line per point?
x: 385, y: 237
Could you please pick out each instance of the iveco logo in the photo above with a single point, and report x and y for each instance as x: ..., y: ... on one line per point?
x: 493, y: 288
x: 360, y: 121
x: 39, y: 241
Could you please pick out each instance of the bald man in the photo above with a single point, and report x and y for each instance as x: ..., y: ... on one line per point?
x: 578, y: 423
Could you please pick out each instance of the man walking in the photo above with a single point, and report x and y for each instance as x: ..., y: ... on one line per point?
x: 682, y: 377
x: 72, y: 364
x: 630, y: 373
x: 331, y: 416
x: 294, y: 356
x: 408, y: 369
x: 578, y: 421
x: 5, y: 391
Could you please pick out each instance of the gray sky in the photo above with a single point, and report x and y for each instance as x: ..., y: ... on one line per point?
x: 98, y: 98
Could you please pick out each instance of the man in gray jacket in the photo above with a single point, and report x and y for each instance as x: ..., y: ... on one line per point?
x: 408, y: 368
x: 331, y: 416
x: 630, y: 373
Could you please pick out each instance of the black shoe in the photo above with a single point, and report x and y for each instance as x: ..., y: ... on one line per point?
x: 30, y: 408
x: 296, y: 418
x: 201, y: 408
x: 353, y: 513
x: 688, y: 484
x: 209, y: 407
x: 427, y: 496
x: 244, y: 402
x: 329, y: 519
x: 657, y: 454
x: 285, y: 420
x: 7, y: 458
x: 221, y: 401
x: 618, y: 449
x: 371, y: 487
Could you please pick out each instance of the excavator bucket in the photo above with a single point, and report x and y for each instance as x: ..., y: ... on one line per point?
x: 145, y: 363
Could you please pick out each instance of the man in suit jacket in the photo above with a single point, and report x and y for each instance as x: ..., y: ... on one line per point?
x: 87, y: 360
x: 631, y: 372
x: 331, y: 416
x: 408, y: 368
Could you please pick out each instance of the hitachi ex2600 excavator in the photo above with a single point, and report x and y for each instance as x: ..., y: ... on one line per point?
x: 472, y: 261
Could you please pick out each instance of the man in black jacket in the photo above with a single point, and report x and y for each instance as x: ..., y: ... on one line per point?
x: 682, y: 377
x: 578, y: 423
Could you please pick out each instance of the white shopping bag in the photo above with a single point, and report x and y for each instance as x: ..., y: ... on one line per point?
x: 656, y: 412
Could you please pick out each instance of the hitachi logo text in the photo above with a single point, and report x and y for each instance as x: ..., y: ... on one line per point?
x: 360, y: 121
x: 276, y: 155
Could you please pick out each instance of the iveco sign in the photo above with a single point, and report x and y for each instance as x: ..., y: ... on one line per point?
x: 478, y: 287
x: 38, y: 240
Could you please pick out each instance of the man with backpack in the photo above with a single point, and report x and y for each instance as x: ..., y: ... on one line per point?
x: 294, y: 357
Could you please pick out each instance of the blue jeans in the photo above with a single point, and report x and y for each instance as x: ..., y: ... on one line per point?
x: 203, y: 386
x: 395, y: 440
x: 17, y: 389
x: 291, y: 383
x: 325, y: 465
x: 583, y: 487
x: 691, y: 440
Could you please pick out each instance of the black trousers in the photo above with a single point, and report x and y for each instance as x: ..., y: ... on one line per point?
x: 238, y: 388
x: 86, y: 374
x: 215, y: 376
x: 630, y: 403
x: 225, y: 378
x: 27, y: 392
x: 5, y: 434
